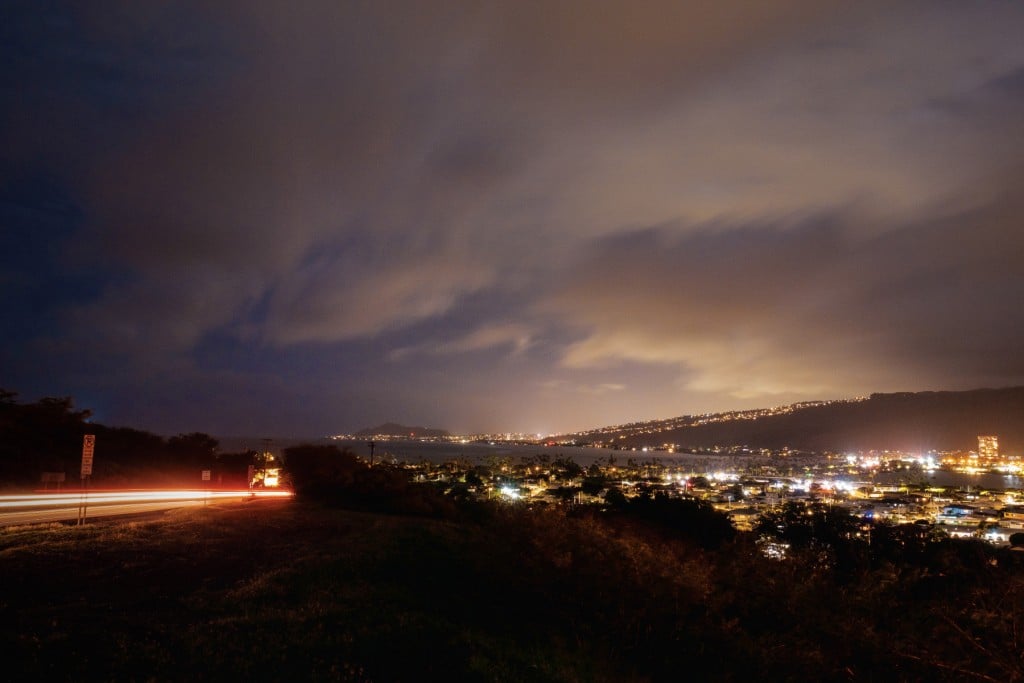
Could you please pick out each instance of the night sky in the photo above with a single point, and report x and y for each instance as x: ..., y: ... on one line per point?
x: 272, y: 218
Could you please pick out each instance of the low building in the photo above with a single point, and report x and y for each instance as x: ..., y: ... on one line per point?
x: 744, y: 518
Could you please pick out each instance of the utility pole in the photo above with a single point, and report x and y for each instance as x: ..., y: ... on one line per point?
x: 372, y: 445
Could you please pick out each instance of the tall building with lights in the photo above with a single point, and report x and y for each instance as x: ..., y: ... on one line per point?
x: 988, y: 447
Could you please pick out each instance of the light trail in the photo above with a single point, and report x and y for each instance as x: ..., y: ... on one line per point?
x: 32, y: 508
x: 100, y: 496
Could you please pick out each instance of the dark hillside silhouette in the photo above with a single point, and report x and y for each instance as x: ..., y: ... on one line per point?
x: 941, y: 420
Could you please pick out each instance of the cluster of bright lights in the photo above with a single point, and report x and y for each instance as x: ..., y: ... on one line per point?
x: 872, y: 461
x: 775, y: 550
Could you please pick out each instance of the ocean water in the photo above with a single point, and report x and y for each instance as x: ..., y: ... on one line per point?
x: 483, y: 453
x: 988, y: 481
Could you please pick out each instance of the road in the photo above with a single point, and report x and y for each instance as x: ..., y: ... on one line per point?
x: 38, y: 508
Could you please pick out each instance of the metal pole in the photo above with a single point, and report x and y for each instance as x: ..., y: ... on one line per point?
x: 83, y: 503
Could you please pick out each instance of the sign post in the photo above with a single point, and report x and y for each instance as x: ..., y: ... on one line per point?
x: 206, y: 478
x: 88, y: 448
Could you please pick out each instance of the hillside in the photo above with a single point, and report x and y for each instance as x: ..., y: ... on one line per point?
x: 945, y: 420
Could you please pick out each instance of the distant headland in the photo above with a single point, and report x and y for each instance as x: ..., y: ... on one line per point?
x: 393, y: 429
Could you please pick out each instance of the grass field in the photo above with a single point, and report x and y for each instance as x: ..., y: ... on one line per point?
x: 293, y: 591
x: 268, y: 591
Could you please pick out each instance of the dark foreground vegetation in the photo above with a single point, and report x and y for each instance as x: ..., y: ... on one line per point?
x: 366, y: 577
x: 46, y: 437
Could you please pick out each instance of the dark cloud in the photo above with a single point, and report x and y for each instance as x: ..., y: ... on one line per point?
x: 812, y: 307
x: 425, y: 201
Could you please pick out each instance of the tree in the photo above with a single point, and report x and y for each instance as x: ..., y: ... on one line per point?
x: 567, y: 467
x: 735, y: 493
x: 473, y: 478
x: 694, y: 519
x: 195, y: 448
x: 829, y: 532
x: 321, y: 470
x: 41, y: 436
x: 615, y: 497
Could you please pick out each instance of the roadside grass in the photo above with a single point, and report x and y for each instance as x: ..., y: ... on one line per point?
x: 267, y: 591
x: 275, y: 591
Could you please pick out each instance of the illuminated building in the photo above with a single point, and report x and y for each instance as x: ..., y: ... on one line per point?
x: 988, y: 447
x: 267, y: 472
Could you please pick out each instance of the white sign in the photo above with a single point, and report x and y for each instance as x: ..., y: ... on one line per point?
x: 206, y: 475
x: 88, y: 447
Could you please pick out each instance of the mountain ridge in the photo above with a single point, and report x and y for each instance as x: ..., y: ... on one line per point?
x: 908, y: 421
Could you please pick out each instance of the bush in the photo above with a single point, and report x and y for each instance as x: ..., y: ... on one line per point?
x: 321, y: 471
x: 338, y: 477
x: 695, y: 520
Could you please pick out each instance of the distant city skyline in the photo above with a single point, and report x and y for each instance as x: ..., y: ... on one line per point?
x: 251, y: 218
